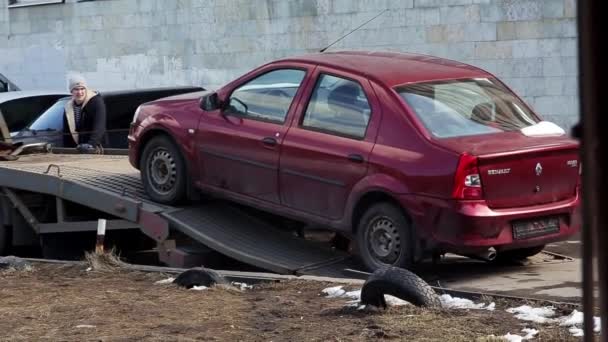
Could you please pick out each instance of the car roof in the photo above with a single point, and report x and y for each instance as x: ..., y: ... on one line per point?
x: 147, y: 90
x: 113, y: 93
x: 393, y: 68
x: 14, y: 95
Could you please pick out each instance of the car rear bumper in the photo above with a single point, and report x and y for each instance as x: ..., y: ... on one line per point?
x: 471, y: 226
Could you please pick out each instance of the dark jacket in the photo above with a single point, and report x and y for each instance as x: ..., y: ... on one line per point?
x: 92, y: 126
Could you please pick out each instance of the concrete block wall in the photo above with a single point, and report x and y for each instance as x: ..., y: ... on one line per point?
x: 117, y: 44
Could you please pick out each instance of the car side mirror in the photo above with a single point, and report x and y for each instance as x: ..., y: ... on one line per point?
x: 210, y: 102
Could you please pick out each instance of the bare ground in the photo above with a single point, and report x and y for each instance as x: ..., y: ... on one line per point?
x: 49, y: 302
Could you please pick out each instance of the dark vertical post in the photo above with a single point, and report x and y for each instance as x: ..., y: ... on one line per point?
x: 592, y: 68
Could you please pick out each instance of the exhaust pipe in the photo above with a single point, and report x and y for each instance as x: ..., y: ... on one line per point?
x: 487, y: 255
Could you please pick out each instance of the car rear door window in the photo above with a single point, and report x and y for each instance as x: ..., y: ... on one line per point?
x: 338, y: 106
x: 267, y: 97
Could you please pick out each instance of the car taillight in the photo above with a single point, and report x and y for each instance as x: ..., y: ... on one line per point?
x: 467, y: 183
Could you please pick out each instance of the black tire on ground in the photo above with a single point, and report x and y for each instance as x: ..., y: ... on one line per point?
x: 163, y: 171
x: 519, y: 254
x: 385, y: 238
x: 199, y: 277
x: 400, y: 283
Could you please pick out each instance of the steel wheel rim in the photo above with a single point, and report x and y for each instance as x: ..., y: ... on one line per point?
x: 162, y: 169
x: 384, y: 240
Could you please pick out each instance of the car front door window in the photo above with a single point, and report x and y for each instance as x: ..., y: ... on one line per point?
x: 266, y: 97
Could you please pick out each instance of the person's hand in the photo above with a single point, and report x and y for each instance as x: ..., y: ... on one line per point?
x: 85, y: 148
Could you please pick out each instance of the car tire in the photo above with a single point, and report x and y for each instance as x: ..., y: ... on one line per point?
x: 385, y: 238
x: 400, y: 283
x: 518, y: 254
x: 199, y: 277
x: 163, y: 171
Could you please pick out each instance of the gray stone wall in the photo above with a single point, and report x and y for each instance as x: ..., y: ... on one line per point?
x: 117, y: 44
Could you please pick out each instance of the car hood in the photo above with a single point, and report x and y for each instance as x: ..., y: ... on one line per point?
x: 184, y: 97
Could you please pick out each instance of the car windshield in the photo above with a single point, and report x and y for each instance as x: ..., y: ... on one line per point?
x: 467, y: 107
x: 51, y: 119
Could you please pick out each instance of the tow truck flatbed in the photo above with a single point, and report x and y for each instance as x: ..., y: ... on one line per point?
x: 109, y: 185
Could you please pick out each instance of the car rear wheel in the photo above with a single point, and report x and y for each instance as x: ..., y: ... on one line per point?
x: 163, y: 171
x: 519, y: 254
x: 384, y: 238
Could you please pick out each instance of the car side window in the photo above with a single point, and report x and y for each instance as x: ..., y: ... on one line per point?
x: 338, y: 106
x: 267, y: 97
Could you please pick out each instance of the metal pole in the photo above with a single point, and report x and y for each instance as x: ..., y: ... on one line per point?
x: 101, y: 234
x: 592, y: 67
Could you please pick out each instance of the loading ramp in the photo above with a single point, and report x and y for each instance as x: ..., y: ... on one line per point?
x: 109, y: 184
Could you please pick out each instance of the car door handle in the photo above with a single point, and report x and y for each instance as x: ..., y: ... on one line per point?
x: 268, y: 141
x: 356, y: 158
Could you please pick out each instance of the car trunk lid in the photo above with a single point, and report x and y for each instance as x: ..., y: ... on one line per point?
x: 517, y: 170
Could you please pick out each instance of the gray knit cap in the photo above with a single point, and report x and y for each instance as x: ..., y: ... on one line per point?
x: 77, y: 81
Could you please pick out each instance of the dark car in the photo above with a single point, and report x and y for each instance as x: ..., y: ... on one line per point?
x: 408, y: 154
x: 18, y: 108
x: 120, y: 107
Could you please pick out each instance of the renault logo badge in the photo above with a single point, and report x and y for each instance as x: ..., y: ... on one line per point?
x: 538, y: 169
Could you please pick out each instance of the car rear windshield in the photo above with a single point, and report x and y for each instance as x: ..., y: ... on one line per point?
x: 466, y: 107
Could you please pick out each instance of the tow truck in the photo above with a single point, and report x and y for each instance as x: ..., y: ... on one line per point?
x: 51, y: 200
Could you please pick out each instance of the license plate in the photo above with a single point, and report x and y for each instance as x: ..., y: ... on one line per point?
x: 534, y: 228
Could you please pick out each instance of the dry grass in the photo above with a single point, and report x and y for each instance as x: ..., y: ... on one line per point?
x: 107, y: 261
x: 114, y: 304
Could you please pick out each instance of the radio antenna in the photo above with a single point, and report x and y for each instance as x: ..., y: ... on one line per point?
x: 360, y: 26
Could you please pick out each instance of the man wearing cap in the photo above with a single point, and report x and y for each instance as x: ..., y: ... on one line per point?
x: 85, y: 117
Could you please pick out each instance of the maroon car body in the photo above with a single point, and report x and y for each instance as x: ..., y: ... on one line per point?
x: 426, y: 155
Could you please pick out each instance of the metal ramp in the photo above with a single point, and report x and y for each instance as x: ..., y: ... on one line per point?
x: 234, y: 233
x: 109, y: 184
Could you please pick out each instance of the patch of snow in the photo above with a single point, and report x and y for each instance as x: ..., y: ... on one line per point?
x: 575, y: 321
x: 461, y: 303
x: 354, y: 295
x: 199, y: 288
x: 512, y: 338
x: 576, y: 317
x: 394, y: 301
x: 530, y: 334
x: 88, y: 326
x: 165, y: 281
x: 538, y: 315
x: 545, y: 315
x: 576, y: 332
x: 334, y: 292
x: 543, y: 128
x: 242, y: 286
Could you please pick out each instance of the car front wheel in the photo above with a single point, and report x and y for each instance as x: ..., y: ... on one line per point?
x: 163, y: 171
x: 384, y: 238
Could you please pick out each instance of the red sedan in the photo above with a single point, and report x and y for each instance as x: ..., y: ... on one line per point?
x: 407, y: 154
